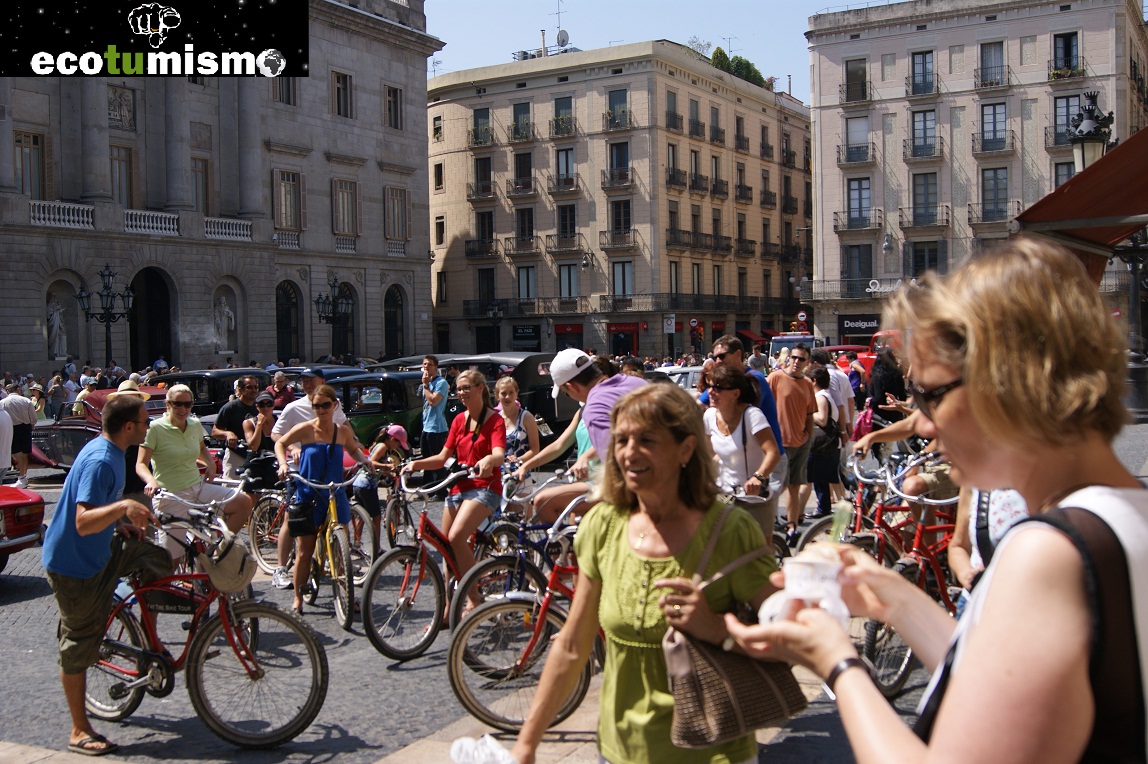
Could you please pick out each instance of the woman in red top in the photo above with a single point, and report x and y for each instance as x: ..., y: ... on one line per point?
x: 477, y: 439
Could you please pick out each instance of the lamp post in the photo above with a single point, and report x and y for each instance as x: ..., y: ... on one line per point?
x: 107, y: 314
x: 335, y: 310
x: 1134, y: 255
x: 1090, y: 133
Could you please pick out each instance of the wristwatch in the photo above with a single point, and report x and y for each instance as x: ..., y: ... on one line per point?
x: 761, y: 478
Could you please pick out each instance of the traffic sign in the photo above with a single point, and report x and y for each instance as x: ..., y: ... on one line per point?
x: 693, y: 323
x: 801, y: 315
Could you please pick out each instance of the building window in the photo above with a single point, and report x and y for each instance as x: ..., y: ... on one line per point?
x: 283, y: 90
x: 857, y: 139
x: 1065, y: 51
x: 672, y: 156
x: 438, y: 176
x: 200, y: 184
x: 122, y: 175
x: 696, y: 278
x: 1064, y: 109
x: 523, y: 169
x: 766, y: 284
x: 924, y: 133
x: 29, y: 163
x: 715, y: 167
x: 345, y: 215
x: 436, y: 129
x: 994, y: 194
x: 567, y: 223
x: 564, y: 164
x: 922, y: 82
x: 766, y: 234
x: 568, y: 280
x: 484, y: 225
x: 341, y: 103
x: 623, y: 272
x: 742, y: 283
x: 619, y: 112
x: 481, y: 135
x: 287, y: 321
x: 620, y: 216
x: 992, y: 72
x: 521, y: 129
x: 1063, y: 172
x: 675, y: 277
x: 486, y: 292
x: 396, y: 227
x: 856, y: 80
x: 925, y: 198
x: 674, y: 217
x: 857, y: 262
x: 716, y: 227
x: 524, y: 222
x: 563, y: 117
x: 394, y: 107
x: 526, y: 282
x: 440, y: 288
x: 994, y: 132
x: 926, y: 257
x: 859, y: 202
x: 289, y: 198
x: 439, y: 230
x: 717, y: 279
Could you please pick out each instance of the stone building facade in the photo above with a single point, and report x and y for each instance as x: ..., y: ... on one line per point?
x: 226, y: 204
x: 632, y: 199
x: 936, y: 122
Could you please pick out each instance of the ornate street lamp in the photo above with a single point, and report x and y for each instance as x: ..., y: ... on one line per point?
x: 107, y: 314
x: 1090, y: 133
x: 335, y: 309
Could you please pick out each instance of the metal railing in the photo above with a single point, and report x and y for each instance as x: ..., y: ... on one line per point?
x: 743, y: 193
x: 850, y: 289
x: 768, y: 199
x: 998, y: 142
x: 703, y: 241
x: 477, y: 137
x: 766, y: 151
x: 697, y: 129
x: 723, y: 244
x: 922, y: 85
x: 678, y: 237
x: 789, y: 205
x: 620, y: 238
x: 617, y: 120
x: 563, y: 184
x: 520, y: 132
x: 853, y: 154
x: 923, y: 150
x: 992, y: 77
x: 674, y: 121
x: 563, y: 127
x: 789, y: 158
x: 676, y: 178
x: 480, y: 189
x: 717, y: 135
x: 1058, y: 137
x: 741, y: 142
x: 854, y: 92
x: 617, y: 177
x: 559, y: 243
x: 1067, y: 68
x: 924, y: 216
x: 993, y: 212
x: 858, y: 220
x: 699, y: 183
x: 480, y: 247
x: 520, y: 187
x: 720, y: 188
x: 747, y: 247
x: 521, y: 245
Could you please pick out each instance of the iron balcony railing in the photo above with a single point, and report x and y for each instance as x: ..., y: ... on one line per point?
x: 677, y: 237
x: 480, y: 247
x: 789, y: 158
x: 676, y: 178
x: 743, y: 193
x: 673, y: 121
x: 863, y: 288
x: 563, y: 243
x: 703, y: 241
x: 720, y: 188
x: 768, y: 199
x: 856, y: 154
x: 992, y: 77
x: 723, y: 244
x: 741, y: 143
x: 521, y: 245
x: 993, y: 212
x: 537, y: 306
x: 699, y: 183
x: 617, y: 177
x: 770, y: 249
x: 767, y: 150
x: 617, y: 303
x: 717, y: 135
x: 697, y: 129
x: 563, y: 127
x: 1070, y: 68
x: 746, y: 247
x: 520, y: 132
x: 923, y: 149
x: 789, y: 205
x: 480, y: 189
x: 563, y: 184
x: 853, y: 92
x: 1058, y: 137
x: 858, y: 220
x: 931, y: 215
x: 995, y: 142
x: 620, y: 238
x: 520, y: 187
x: 617, y: 120
x: 477, y: 137
x: 922, y: 85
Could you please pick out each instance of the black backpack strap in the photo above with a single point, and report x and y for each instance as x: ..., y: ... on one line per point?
x: 985, y: 544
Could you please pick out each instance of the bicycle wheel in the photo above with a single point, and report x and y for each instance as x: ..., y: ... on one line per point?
x: 492, y: 578
x: 890, y: 659
x: 258, y: 694
x: 501, y: 538
x: 341, y: 572
x: 397, y: 523
x: 780, y: 546
x: 263, y: 531
x: 119, y: 663
x: 315, y: 578
x: 496, y: 659
x: 364, y: 542
x: 403, y: 601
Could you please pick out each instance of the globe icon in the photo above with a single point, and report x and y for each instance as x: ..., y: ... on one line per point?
x: 271, y: 63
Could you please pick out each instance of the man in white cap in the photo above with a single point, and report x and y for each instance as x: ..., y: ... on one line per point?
x: 576, y: 374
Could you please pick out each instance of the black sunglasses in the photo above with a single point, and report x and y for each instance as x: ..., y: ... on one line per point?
x: 927, y: 399
x: 322, y: 406
x: 265, y: 404
x: 180, y: 404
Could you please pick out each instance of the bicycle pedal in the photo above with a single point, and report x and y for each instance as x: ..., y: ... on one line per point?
x: 186, y: 625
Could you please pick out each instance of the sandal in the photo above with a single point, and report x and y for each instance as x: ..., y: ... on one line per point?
x: 791, y: 534
x: 93, y: 745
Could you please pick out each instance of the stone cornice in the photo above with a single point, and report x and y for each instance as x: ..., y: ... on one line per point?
x: 401, y: 169
x: 334, y: 158
x: 286, y: 148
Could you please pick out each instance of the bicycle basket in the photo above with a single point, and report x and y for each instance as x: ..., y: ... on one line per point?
x: 228, y: 564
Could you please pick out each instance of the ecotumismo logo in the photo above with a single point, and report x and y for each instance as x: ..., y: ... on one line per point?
x: 210, y: 38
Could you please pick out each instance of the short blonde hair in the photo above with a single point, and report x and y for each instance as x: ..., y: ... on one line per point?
x: 670, y: 408
x: 1041, y: 358
x: 175, y: 390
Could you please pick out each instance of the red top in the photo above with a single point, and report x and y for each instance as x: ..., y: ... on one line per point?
x: 469, y: 447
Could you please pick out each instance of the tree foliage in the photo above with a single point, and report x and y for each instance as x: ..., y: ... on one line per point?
x: 745, y: 69
x: 721, y: 60
x: 699, y: 46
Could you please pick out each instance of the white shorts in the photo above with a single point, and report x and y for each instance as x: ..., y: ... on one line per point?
x: 200, y: 493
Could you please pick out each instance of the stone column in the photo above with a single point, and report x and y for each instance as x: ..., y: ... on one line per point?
x: 177, y: 135
x: 7, y: 149
x: 250, y: 152
x: 97, y: 182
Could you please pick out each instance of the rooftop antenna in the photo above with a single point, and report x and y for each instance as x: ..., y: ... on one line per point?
x: 729, y: 49
x: 435, y: 63
x: 559, y: 14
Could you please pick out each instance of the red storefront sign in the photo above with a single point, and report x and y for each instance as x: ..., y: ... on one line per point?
x: 621, y: 328
x: 567, y: 328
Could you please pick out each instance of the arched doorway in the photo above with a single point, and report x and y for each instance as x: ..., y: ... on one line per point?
x: 150, y: 322
x: 394, y: 331
x: 288, y: 340
x: 343, y: 330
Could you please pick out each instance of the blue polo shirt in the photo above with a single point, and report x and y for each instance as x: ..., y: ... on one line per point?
x: 96, y: 479
x: 434, y: 416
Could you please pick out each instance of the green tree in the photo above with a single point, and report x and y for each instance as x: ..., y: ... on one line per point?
x: 699, y: 46
x: 720, y: 60
x: 745, y: 69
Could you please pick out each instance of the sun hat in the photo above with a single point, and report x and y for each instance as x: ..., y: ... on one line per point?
x: 568, y: 364
x: 129, y: 387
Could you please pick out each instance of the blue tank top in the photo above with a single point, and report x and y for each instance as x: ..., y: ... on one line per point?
x: 323, y: 463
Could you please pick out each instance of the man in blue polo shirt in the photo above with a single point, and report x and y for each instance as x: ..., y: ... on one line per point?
x: 96, y: 538
x: 434, y: 391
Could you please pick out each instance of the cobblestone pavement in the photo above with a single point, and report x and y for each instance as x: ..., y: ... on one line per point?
x: 374, y: 706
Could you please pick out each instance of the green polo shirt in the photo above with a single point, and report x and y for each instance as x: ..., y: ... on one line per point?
x: 174, y: 452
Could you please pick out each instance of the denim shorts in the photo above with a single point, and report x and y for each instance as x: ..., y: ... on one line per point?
x: 481, y: 495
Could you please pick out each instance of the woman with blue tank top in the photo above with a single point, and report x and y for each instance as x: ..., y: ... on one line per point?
x: 521, y: 429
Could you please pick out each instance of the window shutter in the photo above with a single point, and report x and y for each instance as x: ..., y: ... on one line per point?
x: 407, y: 212
x: 335, y: 207
x: 302, y: 201
x: 358, y: 208
x: 943, y: 257
x: 907, y: 260
x: 332, y: 99
x: 844, y: 262
x: 49, y: 179
x: 276, y: 204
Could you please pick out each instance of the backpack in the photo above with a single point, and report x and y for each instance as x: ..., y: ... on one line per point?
x: 864, y: 424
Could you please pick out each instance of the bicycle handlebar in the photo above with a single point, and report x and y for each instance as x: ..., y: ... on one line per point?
x: 163, y: 493
x: 927, y: 458
x: 292, y: 474
x: 459, y: 472
x: 510, y: 485
x: 199, y: 523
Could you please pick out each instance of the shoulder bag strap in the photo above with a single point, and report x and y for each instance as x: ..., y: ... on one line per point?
x: 984, y: 539
x: 712, y: 544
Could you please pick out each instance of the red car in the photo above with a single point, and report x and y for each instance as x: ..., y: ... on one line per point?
x: 21, y: 521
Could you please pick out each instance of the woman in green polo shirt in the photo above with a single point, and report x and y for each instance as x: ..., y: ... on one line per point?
x: 637, y: 550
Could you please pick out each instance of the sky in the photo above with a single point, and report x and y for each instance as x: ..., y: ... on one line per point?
x: 770, y: 33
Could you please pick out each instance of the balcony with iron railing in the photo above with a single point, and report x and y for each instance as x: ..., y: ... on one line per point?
x: 717, y: 135
x: 768, y: 199
x: 662, y: 301
x: 676, y: 179
x: 770, y: 249
x: 745, y: 247
x: 855, y: 92
x: 849, y: 289
x: 620, y: 119
x: 741, y: 143
x: 699, y: 184
x: 702, y: 241
x: 807, y: 208
x: 989, y: 213
x: 558, y: 185
x: 519, y: 187
x: 865, y: 219
x: 994, y: 143
x: 618, y: 238
x: 697, y: 129
x: 766, y: 151
x: 856, y: 154
x: 922, y: 85
x: 521, y: 245
x: 789, y: 205
x: 719, y: 189
x: 722, y: 244
x: 923, y: 149
x: 520, y: 132
x: 565, y: 244
x: 480, y: 247
x: 789, y: 158
x: 480, y: 190
x: 563, y: 127
x: 1067, y: 69
x: 680, y: 238
x: 674, y: 121
x: 479, y: 137
x: 1058, y: 138
x: 617, y: 179
x: 992, y: 77
x: 1115, y: 282
x: 743, y: 193
x: 924, y: 216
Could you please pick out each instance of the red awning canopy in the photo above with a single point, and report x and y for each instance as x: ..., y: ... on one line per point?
x: 751, y: 336
x: 1098, y: 208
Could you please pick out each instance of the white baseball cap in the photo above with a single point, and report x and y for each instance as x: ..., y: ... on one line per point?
x: 568, y: 364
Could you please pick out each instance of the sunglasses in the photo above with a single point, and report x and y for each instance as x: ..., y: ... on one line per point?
x: 461, y: 390
x: 266, y: 405
x: 927, y: 399
x: 721, y: 356
x: 720, y: 387
x: 251, y: 387
x: 798, y: 359
x: 180, y: 404
x: 322, y: 406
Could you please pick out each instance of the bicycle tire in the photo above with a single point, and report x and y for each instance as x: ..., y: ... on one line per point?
x: 400, y: 618
x: 493, y: 578
x: 342, y: 584
x: 499, y: 539
x: 263, y: 531
x: 364, y: 542
x: 397, y: 524
x: 483, y: 652
x: 292, y: 678
x: 819, y: 530
x: 890, y: 659
x: 116, y: 667
x: 780, y: 546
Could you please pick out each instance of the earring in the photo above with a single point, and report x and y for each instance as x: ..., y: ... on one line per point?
x: 685, y: 464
